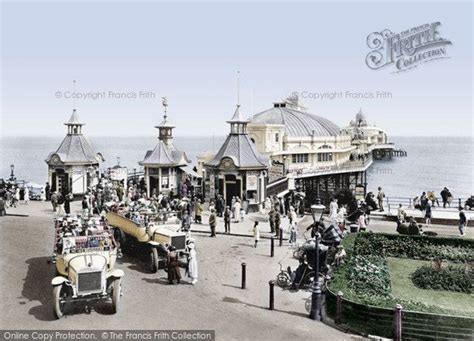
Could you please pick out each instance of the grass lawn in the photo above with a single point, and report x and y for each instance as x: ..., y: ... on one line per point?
x: 403, y: 287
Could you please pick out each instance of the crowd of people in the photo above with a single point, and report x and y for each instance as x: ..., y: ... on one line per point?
x: 426, y: 202
x: 131, y: 198
x: 13, y: 195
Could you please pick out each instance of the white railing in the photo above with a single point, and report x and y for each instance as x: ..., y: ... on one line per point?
x: 345, y: 167
x: 392, y: 203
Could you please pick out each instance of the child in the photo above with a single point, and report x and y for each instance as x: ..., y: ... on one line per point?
x: 256, y: 233
x: 242, y: 214
x: 428, y: 214
x: 293, y: 233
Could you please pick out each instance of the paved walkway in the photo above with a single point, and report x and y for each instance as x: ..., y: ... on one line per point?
x: 216, y: 302
x: 437, y: 212
x: 377, y: 224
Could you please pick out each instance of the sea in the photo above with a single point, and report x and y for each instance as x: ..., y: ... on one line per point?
x: 432, y: 162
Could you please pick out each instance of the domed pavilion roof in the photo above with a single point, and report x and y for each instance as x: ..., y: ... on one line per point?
x: 360, y: 118
x: 297, y: 121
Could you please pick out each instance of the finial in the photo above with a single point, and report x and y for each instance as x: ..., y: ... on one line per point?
x: 164, y: 102
x: 74, y: 95
x: 118, y: 160
x: 238, y: 88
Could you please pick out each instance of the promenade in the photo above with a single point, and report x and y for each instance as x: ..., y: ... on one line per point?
x: 216, y: 302
x: 378, y: 223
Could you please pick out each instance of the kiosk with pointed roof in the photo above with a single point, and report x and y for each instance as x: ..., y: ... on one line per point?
x: 237, y: 169
x: 74, y: 166
x: 164, y: 166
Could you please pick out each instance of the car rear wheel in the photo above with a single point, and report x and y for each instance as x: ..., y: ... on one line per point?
x: 60, y: 293
x: 283, y: 280
x: 116, y: 293
x: 154, y: 261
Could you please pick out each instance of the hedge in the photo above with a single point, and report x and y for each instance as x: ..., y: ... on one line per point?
x: 415, y: 247
x: 451, y: 278
x: 376, y: 247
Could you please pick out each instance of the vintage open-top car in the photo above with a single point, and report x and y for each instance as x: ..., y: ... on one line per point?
x: 85, y: 270
x: 157, y: 234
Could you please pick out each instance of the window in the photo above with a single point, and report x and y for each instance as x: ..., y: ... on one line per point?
x: 165, y: 180
x: 299, y: 158
x: 277, y: 137
x: 324, y: 157
x: 325, y: 146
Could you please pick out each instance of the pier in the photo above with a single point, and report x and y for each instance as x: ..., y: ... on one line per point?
x: 386, y: 151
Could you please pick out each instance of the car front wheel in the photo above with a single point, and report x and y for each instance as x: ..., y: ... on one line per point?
x: 154, y: 260
x: 60, y: 294
x: 116, y: 293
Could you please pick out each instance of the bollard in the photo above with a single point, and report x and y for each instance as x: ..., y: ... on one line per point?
x: 244, y: 275
x: 338, y: 307
x: 272, y: 295
x: 281, y: 237
x: 272, y: 246
x: 398, y: 322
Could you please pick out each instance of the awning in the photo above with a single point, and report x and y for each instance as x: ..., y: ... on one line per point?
x: 189, y: 170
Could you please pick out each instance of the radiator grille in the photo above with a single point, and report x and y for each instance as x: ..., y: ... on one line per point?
x: 179, y: 242
x: 89, y: 281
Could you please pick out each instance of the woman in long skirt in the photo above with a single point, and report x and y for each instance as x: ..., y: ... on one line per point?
x: 256, y: 233
x: 173, y: 266
x: 192, y: 264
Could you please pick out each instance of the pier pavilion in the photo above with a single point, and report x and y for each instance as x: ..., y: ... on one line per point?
x: 308, y: 152
x: 237, y: 169
x: 74, y: 166
x: 371, y: 139
x: 164, y: 166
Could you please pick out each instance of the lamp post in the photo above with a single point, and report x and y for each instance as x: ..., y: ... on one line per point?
x: 12, y: 174
x: 317, y: 211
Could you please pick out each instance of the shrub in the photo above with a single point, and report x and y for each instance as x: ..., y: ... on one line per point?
x: 452, y: 278
x: 413, y: 247
x: 369, y: 276
x: 341, y: 279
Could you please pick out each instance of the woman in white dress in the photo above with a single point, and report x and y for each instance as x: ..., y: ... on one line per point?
x: 192, y: 264
x: 43, y: 194
x: 237, y: 207
x: 17, y: 194
x: 27, y: 195
x: 267, y: 206
x: 256, y: 233
x: 333, y: 207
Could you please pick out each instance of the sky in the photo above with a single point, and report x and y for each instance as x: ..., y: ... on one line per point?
x: 126, y: 55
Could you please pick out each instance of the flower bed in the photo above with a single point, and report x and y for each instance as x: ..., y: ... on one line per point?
x: 365, y: 279
x: 415, y: 247
x: 369, y: 275
x: 451, y: 278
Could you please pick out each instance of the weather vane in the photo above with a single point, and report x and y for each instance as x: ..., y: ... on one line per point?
x: 164, y: 102
x: 238, y: 87
x: 74, y: 95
